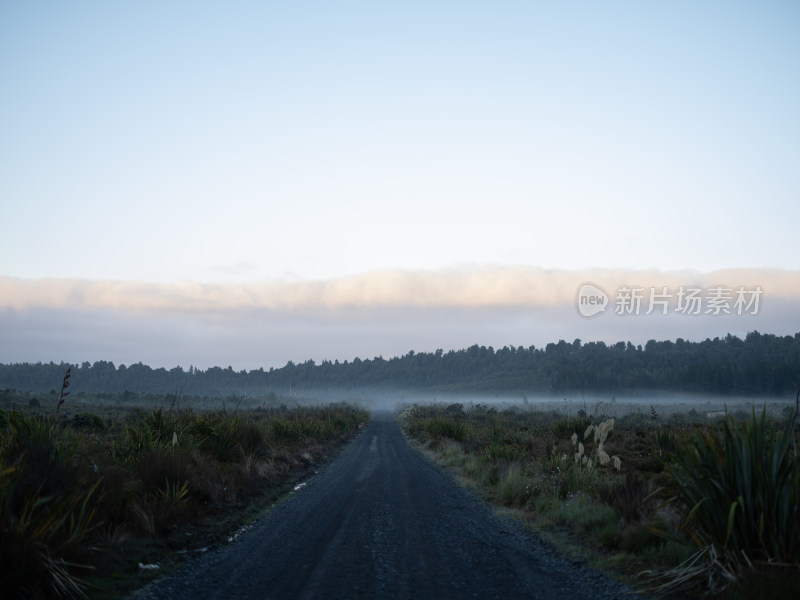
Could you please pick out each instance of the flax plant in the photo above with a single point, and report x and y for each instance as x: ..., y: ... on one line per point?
x: 739, y: 496
x: 47, y: 508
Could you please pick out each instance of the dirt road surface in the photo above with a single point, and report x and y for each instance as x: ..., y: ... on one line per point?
x: 383, y: 522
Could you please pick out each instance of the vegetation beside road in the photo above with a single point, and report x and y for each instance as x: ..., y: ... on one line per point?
x: 680, y: 506
x: 86, y: 498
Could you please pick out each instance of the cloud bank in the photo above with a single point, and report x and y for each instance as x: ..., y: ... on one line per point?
x: 509, y: 287
x: 386, y: 313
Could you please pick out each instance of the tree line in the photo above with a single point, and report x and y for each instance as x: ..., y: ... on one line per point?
x: 758, y: 364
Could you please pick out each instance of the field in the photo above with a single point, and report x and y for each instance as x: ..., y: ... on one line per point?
x: 97, y: 492
x: 678, y: 504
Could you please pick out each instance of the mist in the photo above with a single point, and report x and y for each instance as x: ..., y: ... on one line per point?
x: 666, y: 404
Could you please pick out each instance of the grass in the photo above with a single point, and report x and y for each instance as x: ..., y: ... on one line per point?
x: 638, y: 496
x: 85, y: 498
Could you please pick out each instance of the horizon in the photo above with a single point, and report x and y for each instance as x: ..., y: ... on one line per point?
x: 185, y: 368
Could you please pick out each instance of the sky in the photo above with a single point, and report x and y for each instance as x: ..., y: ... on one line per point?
x: 247, y: 183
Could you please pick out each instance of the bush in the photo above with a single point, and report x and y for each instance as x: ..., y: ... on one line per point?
x: 47, y: 505
x: 439, y: 428
x: 581, y: 512
x: 739, y: 495
x: 88, y: 421
x: 627, y: 497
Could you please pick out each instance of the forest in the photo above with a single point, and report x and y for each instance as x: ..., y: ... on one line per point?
x: 759, y: 364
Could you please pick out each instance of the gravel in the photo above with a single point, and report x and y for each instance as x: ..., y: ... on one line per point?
x: 383, y: 522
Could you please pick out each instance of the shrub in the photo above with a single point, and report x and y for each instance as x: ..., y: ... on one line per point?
x: 215, y: 433
x: 442, y: 427
x: 88, y: 421
x: 581, y: 512
x: 48, y: 508
x: 567, y: 426
x: 627, y: 497
x: 503, y: 453
x: 739, y: 495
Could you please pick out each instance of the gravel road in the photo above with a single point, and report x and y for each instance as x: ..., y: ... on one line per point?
x: 383, y: 522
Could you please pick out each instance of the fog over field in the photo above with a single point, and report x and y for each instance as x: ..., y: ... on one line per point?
x: 595, y: 405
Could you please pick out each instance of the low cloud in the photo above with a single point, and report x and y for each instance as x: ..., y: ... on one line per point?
x: 387, y: 313
x: 491, y: 287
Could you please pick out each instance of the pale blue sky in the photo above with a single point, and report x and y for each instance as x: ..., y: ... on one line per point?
x: 360, y: 178
x: 236, y: 141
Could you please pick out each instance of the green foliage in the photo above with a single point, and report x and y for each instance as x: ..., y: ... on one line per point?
x: 439, y: 428
x: 172, y: 492
x: 63, y: 491
x: 87, y: 421
x: 285, y: 430
x: 513, y: 487
x: 665, y: 441
x: 215, y: 433
x: 498, y: 452
x: 526, y: 459
x: 626, y: 496
x: 565, y: 427
x: 739, y: 494
x: 581, y: 512
x: 665, y: 552
x: 48, y: 507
